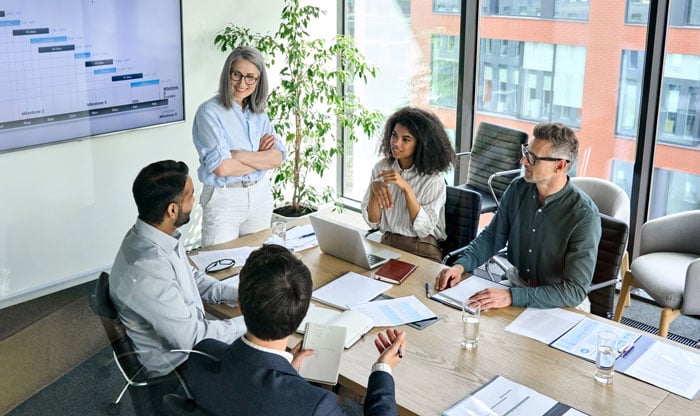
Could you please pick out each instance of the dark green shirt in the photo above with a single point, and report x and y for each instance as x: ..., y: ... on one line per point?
x: 554, y: 246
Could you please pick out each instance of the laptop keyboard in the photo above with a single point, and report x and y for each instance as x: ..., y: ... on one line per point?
x: 374, y: 259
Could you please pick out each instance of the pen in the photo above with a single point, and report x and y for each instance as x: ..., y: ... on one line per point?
x: 307, y: 235
x: 626, y: 349
x: 427, y: 290
x: 400, y: 353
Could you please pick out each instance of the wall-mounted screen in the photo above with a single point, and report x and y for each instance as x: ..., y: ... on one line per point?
x: 78, y: 68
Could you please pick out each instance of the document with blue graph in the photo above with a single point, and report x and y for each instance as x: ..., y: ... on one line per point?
x: 392, y: 312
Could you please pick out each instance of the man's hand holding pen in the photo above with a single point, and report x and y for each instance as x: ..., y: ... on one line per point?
x: 391, y: 346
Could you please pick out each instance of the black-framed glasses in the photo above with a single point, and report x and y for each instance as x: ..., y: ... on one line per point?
x: 219, y: 265
x: 248, y: 79
x: 532, y: 158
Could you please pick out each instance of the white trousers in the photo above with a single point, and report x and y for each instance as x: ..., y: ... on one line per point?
x: 228, y: 213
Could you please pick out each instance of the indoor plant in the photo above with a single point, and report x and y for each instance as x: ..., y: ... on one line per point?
x: 309, y: 107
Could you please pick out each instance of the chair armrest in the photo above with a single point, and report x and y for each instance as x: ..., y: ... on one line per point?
x: 450, y: 257
x: 601, y: 285
x: 511, y: 172
x: 691, y: 295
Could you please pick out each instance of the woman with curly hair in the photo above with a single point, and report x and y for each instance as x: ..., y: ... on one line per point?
x: 406, y: 196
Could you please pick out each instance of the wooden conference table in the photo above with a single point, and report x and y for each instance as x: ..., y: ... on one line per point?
x: 436, y: 372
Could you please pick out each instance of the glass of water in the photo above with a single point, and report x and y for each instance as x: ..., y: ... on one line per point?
x: 471, y: 314
x: 605, y: 357
x: 279, y: 233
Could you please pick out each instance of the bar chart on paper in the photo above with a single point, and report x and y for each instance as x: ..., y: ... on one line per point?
x: 63, y: 65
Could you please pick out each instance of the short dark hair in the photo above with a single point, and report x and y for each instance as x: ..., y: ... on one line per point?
x: 157, y: 186
x: 257, y: 101
x: 434, y: 152
x: 563, y: 139
x: 274, y: 292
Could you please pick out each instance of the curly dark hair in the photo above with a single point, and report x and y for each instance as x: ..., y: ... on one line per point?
x: 434, y: 152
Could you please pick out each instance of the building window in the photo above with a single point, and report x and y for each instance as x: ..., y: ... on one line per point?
x: 543, y: 83
x: 629, y: 94
x: 571, y: 9
x: 447, y: 6
x: 544, y: 9
x: 680, y: 101
x: 694, y: 13
x: 681, y: 13
x: 444, y: 71
x: 637, y: 12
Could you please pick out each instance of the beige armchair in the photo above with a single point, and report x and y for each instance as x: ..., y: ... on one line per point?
x: 668, y: 267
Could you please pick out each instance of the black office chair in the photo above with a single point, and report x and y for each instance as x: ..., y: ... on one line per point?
x: 611, y: 250
x: 462, y: 210
x: 493, y: 162
x: 124, y: 354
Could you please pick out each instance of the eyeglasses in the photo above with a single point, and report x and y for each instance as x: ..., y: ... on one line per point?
x: 219, y: 265
x: 249, y: 79
x: 532, y: 159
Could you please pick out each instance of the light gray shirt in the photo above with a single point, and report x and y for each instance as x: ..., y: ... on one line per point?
x: 431, y: 193
x: 159, y: 296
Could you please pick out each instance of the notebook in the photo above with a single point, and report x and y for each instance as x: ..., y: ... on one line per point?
x: 395, y: 271
x: 327, y: 342
x: 356, y: 323
x: 348, y: 244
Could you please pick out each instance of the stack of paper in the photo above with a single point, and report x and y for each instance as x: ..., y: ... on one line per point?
x: 349, y: 289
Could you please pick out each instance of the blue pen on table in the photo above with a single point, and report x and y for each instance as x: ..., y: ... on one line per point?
x: 427, y: 290
x: 308, y: 235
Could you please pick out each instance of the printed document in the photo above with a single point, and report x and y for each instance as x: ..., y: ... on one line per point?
x: 454, y: 296
x: 501, y: 396
x: 544, y: 325
x: 392, y: 312
x: 670, y: 367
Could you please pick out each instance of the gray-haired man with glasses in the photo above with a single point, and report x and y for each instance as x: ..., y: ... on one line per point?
x: 552, y: 230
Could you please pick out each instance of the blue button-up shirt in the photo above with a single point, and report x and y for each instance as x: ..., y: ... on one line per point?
x: 217, y: 131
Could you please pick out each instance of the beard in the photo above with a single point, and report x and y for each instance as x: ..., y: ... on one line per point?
x: 182, y: 218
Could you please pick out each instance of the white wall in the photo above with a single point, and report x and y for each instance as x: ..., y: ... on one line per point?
x: 65, y: 208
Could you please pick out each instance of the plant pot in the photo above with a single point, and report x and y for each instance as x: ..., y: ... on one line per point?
x: 287, y: 214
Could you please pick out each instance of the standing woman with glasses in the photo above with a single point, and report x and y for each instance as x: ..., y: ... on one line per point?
x: 237, y: 145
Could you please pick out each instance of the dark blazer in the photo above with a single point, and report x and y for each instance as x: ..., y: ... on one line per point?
x: 247, y: 381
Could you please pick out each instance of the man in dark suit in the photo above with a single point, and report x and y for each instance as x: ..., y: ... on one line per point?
x: 256, y: 375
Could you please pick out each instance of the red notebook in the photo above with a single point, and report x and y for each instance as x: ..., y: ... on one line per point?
x: 394, y: 271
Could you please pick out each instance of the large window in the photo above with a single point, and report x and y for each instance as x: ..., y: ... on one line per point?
x: 580, y: 63
x: 675, y: 191
x: 544, y: 83
x: 444, y: 71
x: 680, y: 98
x: 418, y: 65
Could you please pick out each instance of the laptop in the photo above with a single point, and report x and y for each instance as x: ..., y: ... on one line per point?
x: 348, y: 244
